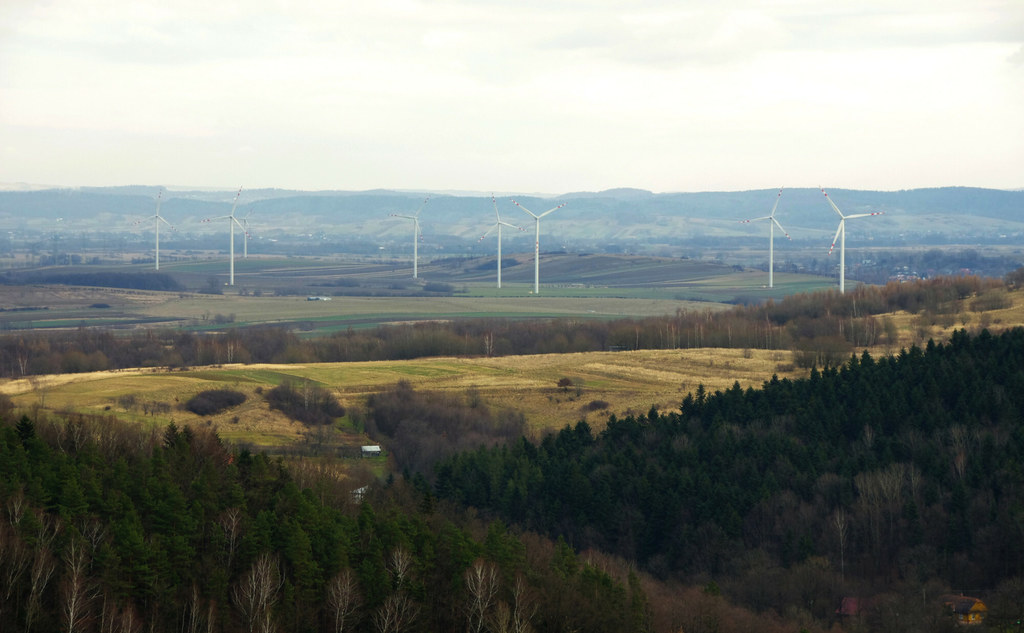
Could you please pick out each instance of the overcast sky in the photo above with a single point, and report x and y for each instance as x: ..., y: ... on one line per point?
x: 513, y: 96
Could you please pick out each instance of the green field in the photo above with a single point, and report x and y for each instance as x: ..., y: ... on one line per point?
x: 366, y: 294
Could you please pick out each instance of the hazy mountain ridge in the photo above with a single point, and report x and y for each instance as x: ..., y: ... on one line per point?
x: 613, y: 215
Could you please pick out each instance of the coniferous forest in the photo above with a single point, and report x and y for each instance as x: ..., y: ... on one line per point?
x: 108, y: 528
x: 905, y: 469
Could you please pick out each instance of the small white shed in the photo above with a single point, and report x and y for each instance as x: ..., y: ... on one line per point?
x: 371, y: 451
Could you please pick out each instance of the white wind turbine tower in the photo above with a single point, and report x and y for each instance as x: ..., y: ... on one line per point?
x: 245, y: 234
x: 415, y: 236
x: 498, y: 224
x: 772, y: 223
x: 841, y: 235
x: 157, y: 218
x: 536, y: 246
x: 232, y: 221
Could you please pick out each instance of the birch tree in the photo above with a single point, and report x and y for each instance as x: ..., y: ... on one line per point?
x: 77, y: 590
x: 482, y: 586
x: 342, y: 598
x: 256, y: 593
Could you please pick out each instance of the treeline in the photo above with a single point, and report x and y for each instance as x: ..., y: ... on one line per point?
x: 823, y: 327
x: 419, y: 428
x: 106, y: 528
x: 903, y: 470
x: 104, y: 279
x: 308, y: 403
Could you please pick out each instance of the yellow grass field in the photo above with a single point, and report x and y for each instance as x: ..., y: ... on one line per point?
x: 627, y: 381
x: 630, y: 382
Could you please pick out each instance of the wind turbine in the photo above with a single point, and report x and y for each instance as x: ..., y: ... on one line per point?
x: 157, y: 219
x: 536, y: 247
x: 841, y: 233
x: 232, y: 221
x: 772, y: 223
x: 415, y: 236
x: 498, y: 224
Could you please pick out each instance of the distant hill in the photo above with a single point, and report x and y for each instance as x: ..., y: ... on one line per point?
x: 621, y: 216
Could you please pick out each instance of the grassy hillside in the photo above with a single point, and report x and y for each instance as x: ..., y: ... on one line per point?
x: 629, y: 381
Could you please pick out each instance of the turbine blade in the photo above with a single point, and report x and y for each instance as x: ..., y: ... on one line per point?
x: 550, y: 210
x: 488, y: 232
x: 834, y: 207
x: 836, y: 238
x: 523, y: 208
x: 235, y: 203
x: 767, y: 217
x: 865, y: 215
x: 781, y: 229
x: 422, y: 205
x: 775, y: 206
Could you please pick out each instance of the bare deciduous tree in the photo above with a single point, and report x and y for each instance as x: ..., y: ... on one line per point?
x: 16, y: 507
x: 399, y: 564
x: 482, y: 586
x: 872, y: 502
x: 231, y: 523
x: 961, y: 441
x: 77, y: 590
x: 40, y: 573
x: 93, y: 532
x: 398, y: 609
x: 342, y: 598
x: 501, y: 618
x: 256, y: 593
x: 14, y: 559
x: 192, y: 617
x: 127, y: 620
x: 523, y: 606
x: 891, y: 483
x: 395, y: 615
x: 839, y: 521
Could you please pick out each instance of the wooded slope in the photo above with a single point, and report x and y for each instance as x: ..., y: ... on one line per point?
x: 907, y: 467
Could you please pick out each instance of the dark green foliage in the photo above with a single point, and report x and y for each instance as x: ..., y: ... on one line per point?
x: 106, y: 279
x: 922, y: 452
x: 438, y: 287
x: 308, y: 403
x: 26, y: 429
x: 213, y: 401
x: 171, y: 526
